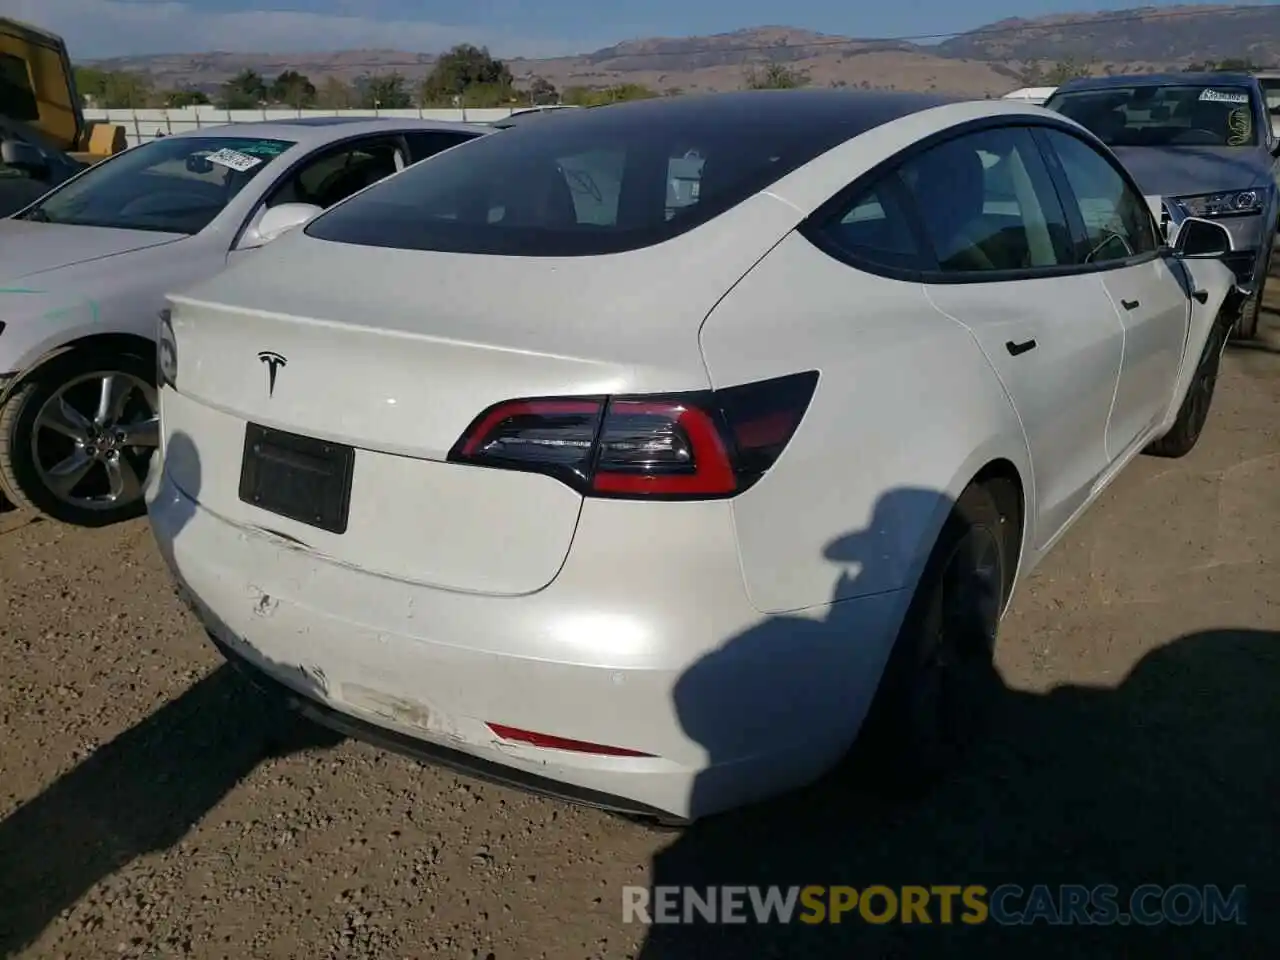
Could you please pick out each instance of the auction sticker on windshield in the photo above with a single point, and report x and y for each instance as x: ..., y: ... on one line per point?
x: 1225, y: 96
x: 234, y: 159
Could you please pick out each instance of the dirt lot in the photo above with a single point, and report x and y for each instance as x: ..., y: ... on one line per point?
x: 154, y: 806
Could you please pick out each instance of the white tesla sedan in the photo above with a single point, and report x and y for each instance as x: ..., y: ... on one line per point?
x: 626, y: 455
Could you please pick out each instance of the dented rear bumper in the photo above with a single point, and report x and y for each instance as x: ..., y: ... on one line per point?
x: 643, y: 660
x: 431, y: 753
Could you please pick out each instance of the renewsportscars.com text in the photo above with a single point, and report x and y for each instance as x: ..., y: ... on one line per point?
x: 1006, y: 905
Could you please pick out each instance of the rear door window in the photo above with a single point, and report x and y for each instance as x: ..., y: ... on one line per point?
x: 988, y: 203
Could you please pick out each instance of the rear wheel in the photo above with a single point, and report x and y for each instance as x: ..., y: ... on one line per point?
x: 78, y: 436
x: 940, y: 678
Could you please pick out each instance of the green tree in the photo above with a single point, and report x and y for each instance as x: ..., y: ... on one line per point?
x: 1033, y: 75
x: 293, y: 88
x: 1065, y: 70
x: 244, y: 91
x: 774, y: 76
x: 91, y: 83
x: 336, y: 95
x: 384, y: 92
x: 543, y: 93
x: 114, y: 88
x: 461, y: 68
x: 1229, y: 65
x: 185, y: 98
x: 598, y: 96
x: 127, y: 89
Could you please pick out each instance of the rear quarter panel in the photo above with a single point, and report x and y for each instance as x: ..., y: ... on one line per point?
x: 906, y: 412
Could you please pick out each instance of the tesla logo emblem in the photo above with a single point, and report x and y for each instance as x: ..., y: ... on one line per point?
x: 274, y: 362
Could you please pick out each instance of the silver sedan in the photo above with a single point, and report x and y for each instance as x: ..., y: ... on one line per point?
x: 84, y: 272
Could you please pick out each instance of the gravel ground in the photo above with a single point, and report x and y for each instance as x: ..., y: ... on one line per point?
x: 152, y: 805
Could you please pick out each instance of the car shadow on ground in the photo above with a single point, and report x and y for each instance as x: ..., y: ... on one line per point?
x: 138, y: 794
x: 1172, y: 777
x: 141, y: 792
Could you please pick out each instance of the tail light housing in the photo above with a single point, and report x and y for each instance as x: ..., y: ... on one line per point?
x: 679, y: 446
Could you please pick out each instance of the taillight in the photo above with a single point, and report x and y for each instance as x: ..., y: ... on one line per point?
x: 672, y: 446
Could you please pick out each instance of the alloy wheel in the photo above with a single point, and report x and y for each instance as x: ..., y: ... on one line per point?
x: 93, y: 440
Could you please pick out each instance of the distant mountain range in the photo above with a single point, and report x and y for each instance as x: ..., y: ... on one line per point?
x: 989, y: 60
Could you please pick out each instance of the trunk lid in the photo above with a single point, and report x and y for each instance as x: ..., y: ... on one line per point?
x: 396, y: 352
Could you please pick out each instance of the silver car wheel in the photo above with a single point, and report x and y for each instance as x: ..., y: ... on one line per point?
x: 108, y: 437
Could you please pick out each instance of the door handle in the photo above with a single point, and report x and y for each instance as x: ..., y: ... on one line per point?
x: 1018, y: 349
x: 1129, y: 304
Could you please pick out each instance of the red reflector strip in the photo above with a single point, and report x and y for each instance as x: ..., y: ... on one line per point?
x: 560, y: 743
x: 767, y: 431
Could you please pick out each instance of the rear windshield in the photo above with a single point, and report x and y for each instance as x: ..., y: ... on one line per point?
x: 583, y: 182
x: 1187, y: 115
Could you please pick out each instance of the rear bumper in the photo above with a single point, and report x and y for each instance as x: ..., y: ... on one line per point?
x: 421, y: 750
x: 646, y: 641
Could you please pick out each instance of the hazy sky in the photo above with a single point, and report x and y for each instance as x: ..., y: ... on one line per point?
x: 103, y: 28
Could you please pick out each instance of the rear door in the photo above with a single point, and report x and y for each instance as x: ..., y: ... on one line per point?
x: 1114, y: 233
x: 1005, y: 270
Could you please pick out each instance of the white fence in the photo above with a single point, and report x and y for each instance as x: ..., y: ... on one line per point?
x: 143, y: 125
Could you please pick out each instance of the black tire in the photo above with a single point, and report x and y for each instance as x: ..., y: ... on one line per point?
x: 928, y: 710
x: 1194, y: 412
x: 1246, y: 326
x: 21, y: 480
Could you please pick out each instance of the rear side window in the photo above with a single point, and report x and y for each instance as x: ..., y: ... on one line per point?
x: 600, y: 181
x: 875, y: 229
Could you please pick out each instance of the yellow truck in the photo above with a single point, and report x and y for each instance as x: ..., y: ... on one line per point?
x: 43, y: 135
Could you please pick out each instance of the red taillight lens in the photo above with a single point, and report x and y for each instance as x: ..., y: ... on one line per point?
x: 675, y: 446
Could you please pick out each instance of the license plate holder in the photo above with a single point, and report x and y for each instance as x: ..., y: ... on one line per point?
x: 297, y: 477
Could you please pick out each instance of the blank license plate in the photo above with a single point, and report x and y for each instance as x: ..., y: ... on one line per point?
x: 301, y: 478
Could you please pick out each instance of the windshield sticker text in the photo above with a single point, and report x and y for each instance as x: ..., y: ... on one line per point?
x: 234, y: 159
x: 1225, y: 96
x: 1240, y: 123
